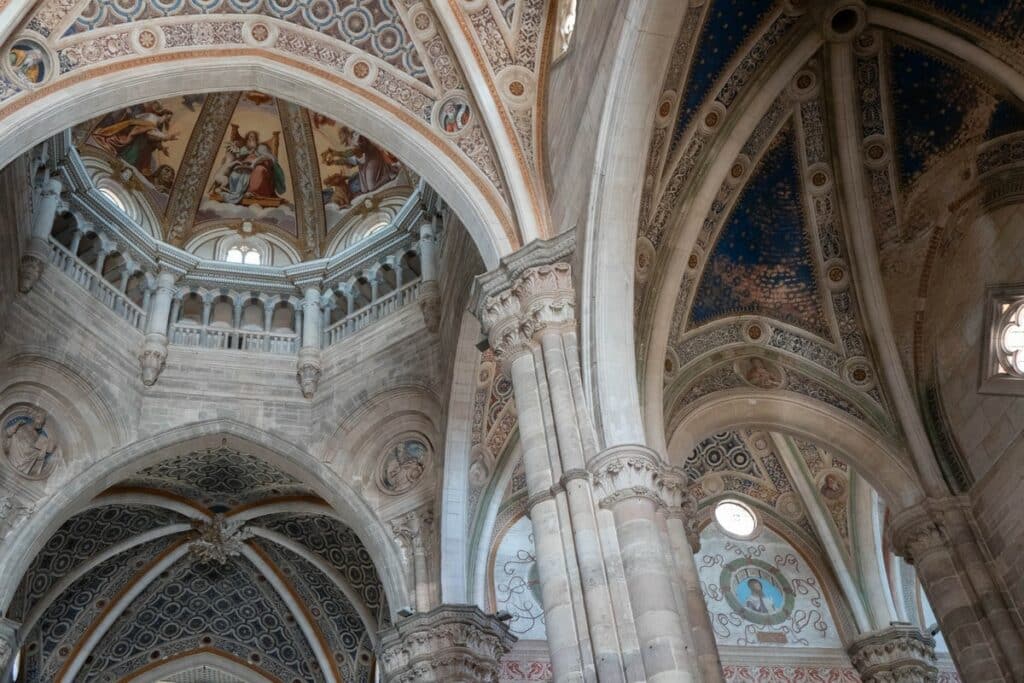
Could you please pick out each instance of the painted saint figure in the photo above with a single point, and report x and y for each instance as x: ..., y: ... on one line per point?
x: 758, y: 601
x: 364, y: 167
x: 250, y: 172
x: 28, y: 61
x: 138, y: 137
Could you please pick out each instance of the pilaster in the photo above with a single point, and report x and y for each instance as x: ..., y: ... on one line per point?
x: 449, y: 644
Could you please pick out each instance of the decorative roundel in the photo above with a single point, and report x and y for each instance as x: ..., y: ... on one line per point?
x: 644, y: 258
x: 738, y: 170
x: 805, y: 83
x: 712, y: 117
x: 453, y: 114
x: 402, y: 466
x: 757, y: 591
x: 756, y: 332
x: 836, y: 274
x: 146, y: 39
x: 867, y: 43
x: 819, y: 178
x: 664, y: 113
x: 876, y: 152
x: 789, y: 506
x: 30, y: 441
x: 362, y: 70
x: 29, y: 62
x: 833, y: 485
x: 671, y: 364
x: 260, y: 32
x: 858, y: 372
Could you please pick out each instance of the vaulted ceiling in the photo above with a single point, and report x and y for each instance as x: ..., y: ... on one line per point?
x: 212, y: 552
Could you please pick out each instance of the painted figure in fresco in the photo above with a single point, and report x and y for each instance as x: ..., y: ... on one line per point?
x: 833, y: 487
x: 138, y: 137
x: 454, y: 115
x: 762, y: 374
x: 363, y: 167
x: 28, y: 61
x: 758, y: 601
x: 250, y: 172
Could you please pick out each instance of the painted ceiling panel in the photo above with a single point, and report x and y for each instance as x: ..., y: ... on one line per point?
x: 761, y: 263
x: 1001, y: 18
x: 230, y: 607
x: 371, y: 25
x: 727, y: 25
x: 938, y: 106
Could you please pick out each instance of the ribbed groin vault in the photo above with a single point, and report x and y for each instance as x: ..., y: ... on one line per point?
x: 452, y: 341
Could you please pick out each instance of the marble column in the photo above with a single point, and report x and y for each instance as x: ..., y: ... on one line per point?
x: 897, y: 654
x: 309, y: 366
x: 154, y: 346
x: 449, y: 644
x: 981, y: 636
x: 415, y: 533
x: 631, y: 481
x: 429, y: 292
x: 38, y: 251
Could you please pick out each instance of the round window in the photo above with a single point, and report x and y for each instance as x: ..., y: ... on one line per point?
x: 736, y: 519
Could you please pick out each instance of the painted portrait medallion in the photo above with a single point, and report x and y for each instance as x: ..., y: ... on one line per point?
x: 757, y: 591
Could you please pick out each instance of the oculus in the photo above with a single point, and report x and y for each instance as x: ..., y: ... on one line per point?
x: 736, y: 519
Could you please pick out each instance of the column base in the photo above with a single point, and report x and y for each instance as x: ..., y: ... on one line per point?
x: 898, y: 654
x: 448, y: 644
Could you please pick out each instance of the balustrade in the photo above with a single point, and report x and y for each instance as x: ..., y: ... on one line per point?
x: 375, y: 310
x: 87, y: 278
x: 214, y: 337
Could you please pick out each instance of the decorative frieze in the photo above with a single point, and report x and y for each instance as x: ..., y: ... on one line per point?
x: 450, y: 644
x: 898, y: 654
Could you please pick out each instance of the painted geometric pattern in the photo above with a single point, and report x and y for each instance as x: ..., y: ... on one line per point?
x: 373, y: 26
x: 229, y: 607
x: 338, y: 620
x: 727, y: 26
x: 80, y: 538
x: 720, y: 452
x: 938, y: 106
x: 66, y: 619
x: 340, y: 546
x: 218, y: 477
x: 761, y: 263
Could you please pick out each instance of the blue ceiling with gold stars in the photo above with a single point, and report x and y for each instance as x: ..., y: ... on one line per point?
x: 938, y: 106
x: 761, y: 262
x: 726, y: 27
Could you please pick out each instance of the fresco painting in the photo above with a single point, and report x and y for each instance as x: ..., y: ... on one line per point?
x: 351, y: 165
x: 151, y: 137
x: 250, y: 178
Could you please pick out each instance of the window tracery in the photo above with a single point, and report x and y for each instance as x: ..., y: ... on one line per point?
x: 1003, y: 360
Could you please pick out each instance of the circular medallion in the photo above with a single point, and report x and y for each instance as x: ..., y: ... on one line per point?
x: 29, y: 62
x: 30, y: 442
x: 757, y: 591
x: 402, y: 466
x: 453, y: 115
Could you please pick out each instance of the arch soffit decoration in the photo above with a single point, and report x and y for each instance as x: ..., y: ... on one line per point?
x: 208, y: 657
x: 76, y: 495
x: 486, y: 168
x: 653, y: 318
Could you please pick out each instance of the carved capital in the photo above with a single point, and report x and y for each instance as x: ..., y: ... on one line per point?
x: 631, y: 471
x: 916, y: 533
x: 308, y: 370
x: 152, y: 358
x: 898, y: 654
x: 450, y: 644
x: 415, y: 531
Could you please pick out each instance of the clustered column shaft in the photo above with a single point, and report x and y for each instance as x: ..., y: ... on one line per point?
x: 611, y: 536
x: 154, y: 347
x: 309, y: 366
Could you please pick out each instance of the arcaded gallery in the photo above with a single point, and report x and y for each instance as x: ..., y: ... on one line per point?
x: 507, y: 341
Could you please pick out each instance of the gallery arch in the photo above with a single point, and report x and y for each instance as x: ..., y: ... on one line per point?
x: 510, y: 340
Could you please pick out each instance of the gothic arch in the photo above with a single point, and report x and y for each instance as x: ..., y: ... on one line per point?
x: 346, y: 504
x: 876, y: 457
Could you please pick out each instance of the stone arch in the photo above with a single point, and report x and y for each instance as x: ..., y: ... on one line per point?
x: 46, y: 112
x: 876, y: 457
x: 347, y: 505
x: 208, y: 657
